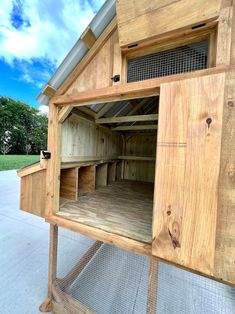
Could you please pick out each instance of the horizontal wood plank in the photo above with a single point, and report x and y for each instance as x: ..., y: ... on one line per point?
x: 136, y: 158
x: 135, y: 127
x: 104, y: 236
x: 130, y: 90
x: 147, y: 117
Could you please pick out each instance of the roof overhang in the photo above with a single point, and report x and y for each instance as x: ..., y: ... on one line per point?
x: 100, y: 21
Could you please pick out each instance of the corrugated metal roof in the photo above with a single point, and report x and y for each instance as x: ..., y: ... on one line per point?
x: 97, y: 25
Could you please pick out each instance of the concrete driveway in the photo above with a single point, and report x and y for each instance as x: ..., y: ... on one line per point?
x: 23, y: 252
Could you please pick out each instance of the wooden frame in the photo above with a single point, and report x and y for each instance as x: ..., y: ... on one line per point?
x: 60, y: 301
x: 220, y: 33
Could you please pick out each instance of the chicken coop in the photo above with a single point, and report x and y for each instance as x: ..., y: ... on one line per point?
x: 141, y: 153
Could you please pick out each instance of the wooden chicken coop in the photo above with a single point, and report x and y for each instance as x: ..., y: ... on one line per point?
x: 141, y: 138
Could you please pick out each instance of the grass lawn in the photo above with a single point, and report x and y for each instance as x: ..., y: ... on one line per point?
x: 9, y: 162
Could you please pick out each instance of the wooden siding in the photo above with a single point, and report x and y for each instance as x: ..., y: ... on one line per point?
x: 104, y: 65
x: 137, y: 20
x: 33, y: 193
x: 140, y: 145
x: 81, y: 137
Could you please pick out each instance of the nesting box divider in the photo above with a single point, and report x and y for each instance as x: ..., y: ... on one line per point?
x: 69, y: 183
x: 112, y: 170
x: 102, y: 174
x: 86, y: 179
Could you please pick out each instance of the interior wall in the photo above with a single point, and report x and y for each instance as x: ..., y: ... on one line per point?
x: 83, y: 138
x: 140, y: 145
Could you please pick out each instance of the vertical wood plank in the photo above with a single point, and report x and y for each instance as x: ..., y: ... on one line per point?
x: 53, y: 167
x: 224, y: 33
x: 86, y: 179
x: 225, y: 231
x: 188, y: 159
x: 112, y: 172
x: 102, y: 175
x: 69, y: 183
x: 232, y: 54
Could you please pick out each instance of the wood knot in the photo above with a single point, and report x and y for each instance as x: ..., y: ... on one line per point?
x: 230, y: 103
x: 208, y: 121
x: 174, y: 235
x: 169, y: 210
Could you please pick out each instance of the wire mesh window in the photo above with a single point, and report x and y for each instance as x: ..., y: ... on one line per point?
x: 183, y: 59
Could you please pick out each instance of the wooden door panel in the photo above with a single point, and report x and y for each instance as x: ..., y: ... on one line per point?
x: 187, y: 174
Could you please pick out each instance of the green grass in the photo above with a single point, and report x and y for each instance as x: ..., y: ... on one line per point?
x: 9, y: 162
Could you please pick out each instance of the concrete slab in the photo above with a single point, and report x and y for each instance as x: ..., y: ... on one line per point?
x: 23, y: 252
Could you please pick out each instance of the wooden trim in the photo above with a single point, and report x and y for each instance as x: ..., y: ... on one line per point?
x: 88, y: 57
x: 104, y: 109
x: 30, y: 169
x: 53, y: 168
x: 224, y: 33
x: 147, y: 117
x: 104, y: 236
x: 138, y: 106
x: 49, y: 91
x: 172, y: 42
x: 88, y: 111
x: 73, y: 164
x: 80, y: 159
x: 137, y: 158
x: 64, y: 113
x: 130, y: 90
x: 135, y: 127
x: 232, y: 53
x: 88, y: 37
x: 225, y: 244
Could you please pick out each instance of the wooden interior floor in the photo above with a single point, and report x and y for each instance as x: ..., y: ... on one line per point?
x: 123, y: 207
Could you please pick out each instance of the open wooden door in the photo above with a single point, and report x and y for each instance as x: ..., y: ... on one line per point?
x: 187, y: 172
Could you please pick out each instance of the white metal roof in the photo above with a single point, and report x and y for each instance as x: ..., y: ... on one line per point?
x: 97, y: 25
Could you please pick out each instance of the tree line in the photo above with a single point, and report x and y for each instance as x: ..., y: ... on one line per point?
x: 23, y: 129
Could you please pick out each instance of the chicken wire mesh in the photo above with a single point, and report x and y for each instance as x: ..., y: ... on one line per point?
x: 183, y: 59
x: 110, y: 280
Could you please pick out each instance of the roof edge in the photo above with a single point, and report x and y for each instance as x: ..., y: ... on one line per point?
x: 98, y: 24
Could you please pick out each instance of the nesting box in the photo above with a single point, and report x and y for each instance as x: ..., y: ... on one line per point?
x: 142, y: 136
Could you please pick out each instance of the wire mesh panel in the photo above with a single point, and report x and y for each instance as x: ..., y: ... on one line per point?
x: 94, y: 277
x: 183, y: 59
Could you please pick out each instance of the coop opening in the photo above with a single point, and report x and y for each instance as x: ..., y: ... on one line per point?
x: 108, y: 166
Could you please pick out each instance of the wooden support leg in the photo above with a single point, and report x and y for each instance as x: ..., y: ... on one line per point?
x: 152, y: 287
x: 46, y: 306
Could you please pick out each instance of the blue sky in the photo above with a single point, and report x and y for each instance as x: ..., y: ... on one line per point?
x: 35, y: 36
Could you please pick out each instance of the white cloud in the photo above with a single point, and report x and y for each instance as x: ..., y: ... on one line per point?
x: 43, y: 109
x: 48, y: 30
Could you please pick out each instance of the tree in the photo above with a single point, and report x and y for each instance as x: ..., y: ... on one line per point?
x: 6, y: 143
x: 27, y: 126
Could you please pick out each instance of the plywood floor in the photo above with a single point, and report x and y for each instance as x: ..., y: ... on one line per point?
x: 123, y: 207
